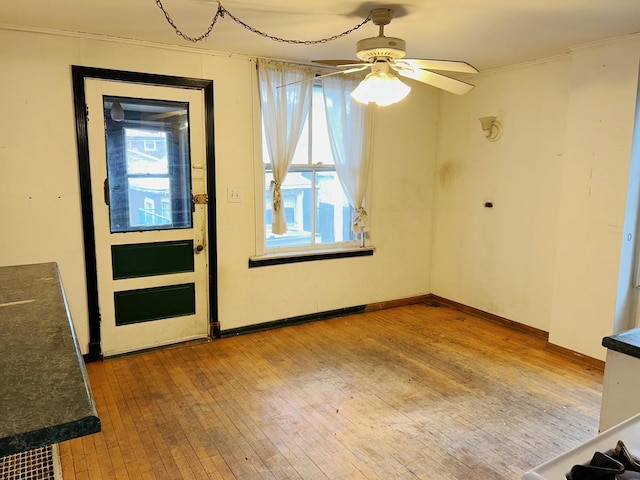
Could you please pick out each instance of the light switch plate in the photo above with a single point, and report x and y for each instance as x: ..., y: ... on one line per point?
x: 234, y: 195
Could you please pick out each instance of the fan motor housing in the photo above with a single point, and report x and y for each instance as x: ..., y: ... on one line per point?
x: 370, y: 49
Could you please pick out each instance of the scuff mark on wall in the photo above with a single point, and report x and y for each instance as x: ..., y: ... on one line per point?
x: 447, y: 173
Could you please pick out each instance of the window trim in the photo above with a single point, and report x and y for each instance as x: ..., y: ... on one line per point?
x: 282, y: 258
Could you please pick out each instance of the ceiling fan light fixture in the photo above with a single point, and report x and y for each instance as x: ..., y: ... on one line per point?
x: 381, y: 88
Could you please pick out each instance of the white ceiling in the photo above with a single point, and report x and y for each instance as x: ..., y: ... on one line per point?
x: 487, y: 34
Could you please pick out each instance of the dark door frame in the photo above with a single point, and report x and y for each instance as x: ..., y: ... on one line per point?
x: 79, y: 75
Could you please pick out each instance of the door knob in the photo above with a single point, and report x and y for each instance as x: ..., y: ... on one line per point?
x: 199, y: 248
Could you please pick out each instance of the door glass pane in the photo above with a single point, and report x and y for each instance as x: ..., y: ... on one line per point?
x: 148, y: 164
x: 146, y: 151
x: 153, y: 191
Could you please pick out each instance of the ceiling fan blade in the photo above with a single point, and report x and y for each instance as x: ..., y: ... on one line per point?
x: 441, y: 65
x: 359, y: 68
x: 435, y: 79
x: 338, y: 63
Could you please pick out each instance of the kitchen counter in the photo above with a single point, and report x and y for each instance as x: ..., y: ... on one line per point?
x: 626, y: 342
x: 45, y: 396
x: 620, y: 388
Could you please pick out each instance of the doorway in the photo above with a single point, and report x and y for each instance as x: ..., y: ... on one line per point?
x: 145, y: 149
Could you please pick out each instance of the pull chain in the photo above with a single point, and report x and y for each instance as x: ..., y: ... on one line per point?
x: 221, y: 12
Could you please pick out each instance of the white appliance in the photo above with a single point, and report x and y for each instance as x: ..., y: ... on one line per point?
x: 557, y: 469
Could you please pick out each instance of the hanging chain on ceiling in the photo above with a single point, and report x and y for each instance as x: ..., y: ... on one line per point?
x: 221, y: 12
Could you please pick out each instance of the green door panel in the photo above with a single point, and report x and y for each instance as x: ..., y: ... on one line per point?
x: 143, y: 305
x: 148, y: 259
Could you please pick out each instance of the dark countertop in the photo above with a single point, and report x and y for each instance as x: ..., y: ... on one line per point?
x: 626, y: 342
x: 45, y: 396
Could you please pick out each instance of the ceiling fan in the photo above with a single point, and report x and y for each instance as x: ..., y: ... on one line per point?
x: 385, y: 55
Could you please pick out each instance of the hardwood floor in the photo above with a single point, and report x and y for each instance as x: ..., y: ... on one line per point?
x: 411, y: 392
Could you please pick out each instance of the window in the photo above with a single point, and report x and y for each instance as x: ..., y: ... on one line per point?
x: 148, y: 212
x: 149, y: 146
x: 148, y: 165
x: 317, y: 211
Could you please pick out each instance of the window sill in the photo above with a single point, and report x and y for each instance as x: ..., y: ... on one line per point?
x: 309, y: 256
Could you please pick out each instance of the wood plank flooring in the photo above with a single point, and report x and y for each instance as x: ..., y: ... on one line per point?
x: 411, y: 392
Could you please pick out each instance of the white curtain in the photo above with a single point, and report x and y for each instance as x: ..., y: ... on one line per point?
x: 285, y: 102
x: 349, y: 124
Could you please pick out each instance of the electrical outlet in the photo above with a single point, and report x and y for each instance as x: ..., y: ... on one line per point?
x: 234, y: 195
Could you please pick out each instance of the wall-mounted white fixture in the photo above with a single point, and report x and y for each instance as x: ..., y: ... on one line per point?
x: 491, y: 127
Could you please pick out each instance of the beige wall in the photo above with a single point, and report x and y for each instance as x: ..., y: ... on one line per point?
x: 39, y: 189
x: 501, y: 259
x: 600, y: 123
x: 548, y: 254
